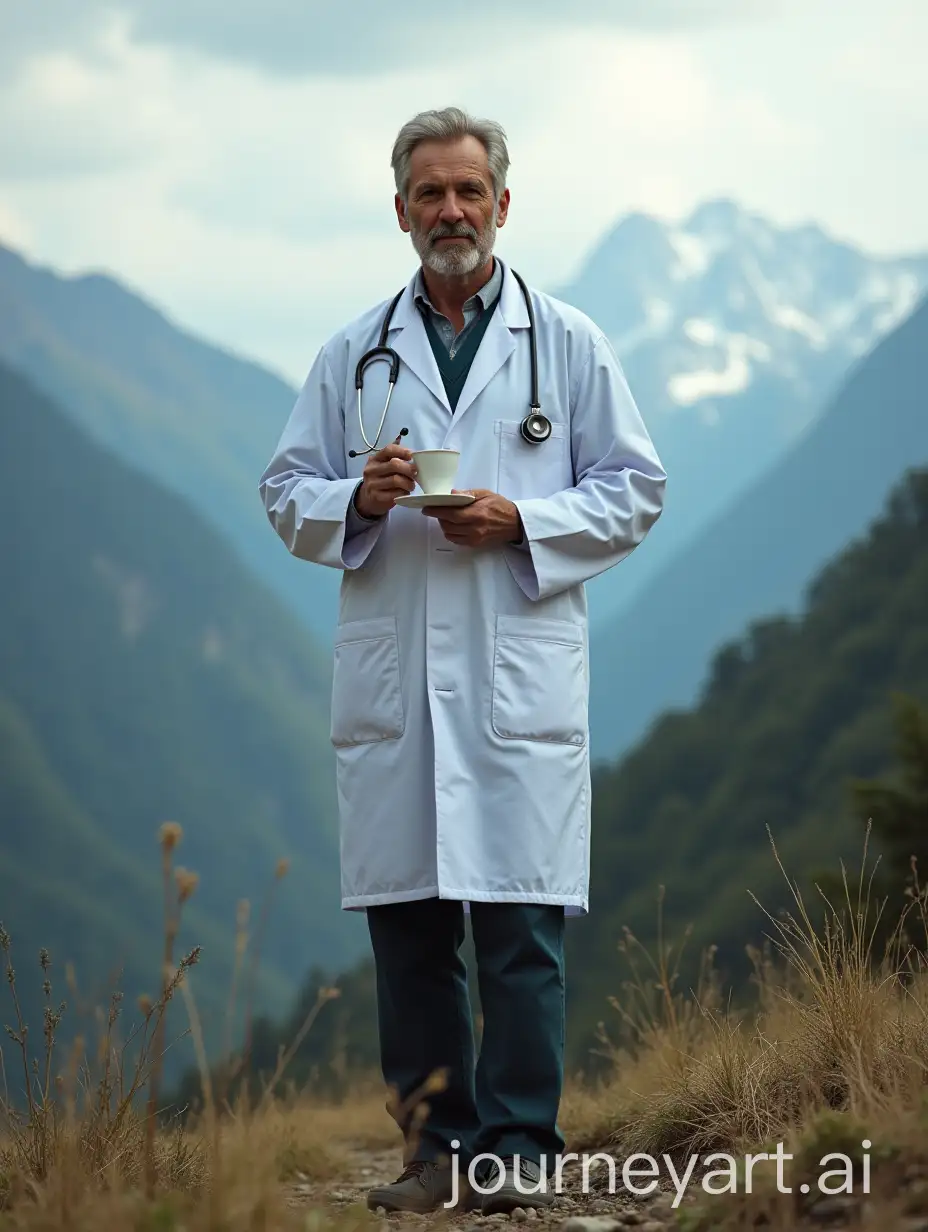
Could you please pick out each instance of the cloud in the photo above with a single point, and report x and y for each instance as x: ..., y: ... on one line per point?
x: 263, y: 206
x: 14, y: 230
x: 60, y: 117
x: 257, y: 208
x: 369, y: 36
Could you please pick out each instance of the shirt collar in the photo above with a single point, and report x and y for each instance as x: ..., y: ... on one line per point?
x: 487, y: 294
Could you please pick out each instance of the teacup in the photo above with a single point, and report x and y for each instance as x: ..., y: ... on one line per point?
x: 436, y: 470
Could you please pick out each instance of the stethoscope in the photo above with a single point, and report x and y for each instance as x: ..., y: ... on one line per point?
x: 535, y: 427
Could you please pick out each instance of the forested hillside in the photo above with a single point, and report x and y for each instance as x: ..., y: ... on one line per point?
x: 795, y: 711
x: 792, y: 712
x: 146, y: 677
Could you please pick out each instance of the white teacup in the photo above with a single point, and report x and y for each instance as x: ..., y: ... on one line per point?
x: 436, y: 470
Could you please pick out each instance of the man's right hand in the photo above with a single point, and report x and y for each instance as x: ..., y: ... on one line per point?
x: 387, y: 475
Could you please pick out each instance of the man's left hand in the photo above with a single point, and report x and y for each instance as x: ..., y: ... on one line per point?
x: 491, y: 521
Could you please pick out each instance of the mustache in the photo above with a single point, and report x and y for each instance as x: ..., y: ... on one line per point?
x: 460, y: 231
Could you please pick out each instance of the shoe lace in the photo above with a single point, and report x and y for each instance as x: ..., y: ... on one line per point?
x: 416, y: 1168
x: 525, y: 1168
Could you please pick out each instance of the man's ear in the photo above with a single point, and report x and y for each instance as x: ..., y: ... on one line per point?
x: 502, y: 209
x: 401, y: 213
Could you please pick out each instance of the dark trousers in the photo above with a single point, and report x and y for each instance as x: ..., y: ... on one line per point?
x: 506, y: 1101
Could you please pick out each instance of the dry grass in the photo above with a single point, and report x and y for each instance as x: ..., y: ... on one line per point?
x: 836, y: 1028
x: 86, y: 1144
x: 836, y: 1049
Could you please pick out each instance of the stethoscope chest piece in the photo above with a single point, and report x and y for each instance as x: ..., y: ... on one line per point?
x: 535, y: 428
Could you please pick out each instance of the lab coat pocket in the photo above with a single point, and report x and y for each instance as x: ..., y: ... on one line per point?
x: 539, y: 680
x: 526, y: 470
x: 367, y: 697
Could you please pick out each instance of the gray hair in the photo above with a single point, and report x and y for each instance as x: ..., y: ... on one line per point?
x: 450, y: 124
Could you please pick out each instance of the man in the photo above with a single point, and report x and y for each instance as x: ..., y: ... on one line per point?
x: 459, y: 700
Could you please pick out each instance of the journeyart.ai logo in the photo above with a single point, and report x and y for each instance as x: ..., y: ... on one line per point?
x: 640, y: 1174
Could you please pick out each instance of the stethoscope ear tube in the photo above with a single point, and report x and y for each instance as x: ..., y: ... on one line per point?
x: 378, y: 352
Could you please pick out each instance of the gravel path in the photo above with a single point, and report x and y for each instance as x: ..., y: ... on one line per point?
x: 597, y: 1210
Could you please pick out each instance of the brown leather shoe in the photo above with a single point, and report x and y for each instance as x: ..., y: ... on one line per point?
x: 422, y: 1187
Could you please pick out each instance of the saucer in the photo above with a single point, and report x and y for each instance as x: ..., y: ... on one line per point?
x: 445, y: 499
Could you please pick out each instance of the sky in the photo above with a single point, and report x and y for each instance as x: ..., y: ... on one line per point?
x: 230, y: 162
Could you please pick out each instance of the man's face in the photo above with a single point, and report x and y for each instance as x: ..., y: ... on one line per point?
x: 452, y: 214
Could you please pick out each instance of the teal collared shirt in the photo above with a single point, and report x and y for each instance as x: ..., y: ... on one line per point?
x: 474, y: 308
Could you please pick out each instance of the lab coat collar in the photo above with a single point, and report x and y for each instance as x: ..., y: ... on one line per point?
x: 408, y: 337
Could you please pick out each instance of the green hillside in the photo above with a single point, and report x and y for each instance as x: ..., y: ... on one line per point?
x: 199, y: 420
x: 794, y: 711
x: 144, y: 677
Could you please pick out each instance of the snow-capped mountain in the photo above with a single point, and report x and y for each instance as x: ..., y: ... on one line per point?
x: 733, y: 333
x: 726, y: 294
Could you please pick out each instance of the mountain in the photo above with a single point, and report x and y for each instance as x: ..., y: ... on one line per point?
x: 733, y: 333
x: 146, y: 677
x: 758, y: 556
x: 200, y: 421
x: 796, y: 707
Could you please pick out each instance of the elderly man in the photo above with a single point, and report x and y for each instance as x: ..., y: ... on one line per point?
x: 460, y: 683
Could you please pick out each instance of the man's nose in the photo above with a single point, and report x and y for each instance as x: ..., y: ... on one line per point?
x: 450, y: 209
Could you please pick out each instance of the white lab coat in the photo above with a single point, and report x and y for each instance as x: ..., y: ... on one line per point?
x: 461, y: 676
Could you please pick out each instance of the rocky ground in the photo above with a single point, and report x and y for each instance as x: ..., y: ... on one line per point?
x: 901, y: 1205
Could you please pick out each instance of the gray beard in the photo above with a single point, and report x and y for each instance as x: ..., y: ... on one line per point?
x: 455, y: 262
